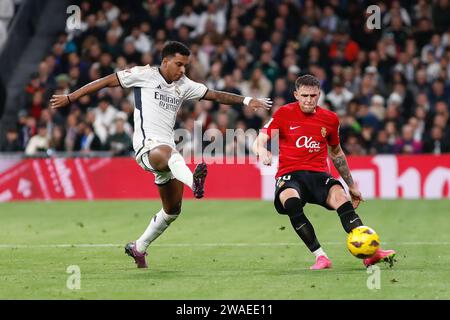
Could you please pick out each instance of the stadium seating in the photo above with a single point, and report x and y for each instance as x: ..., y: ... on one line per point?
x: 389, y: 86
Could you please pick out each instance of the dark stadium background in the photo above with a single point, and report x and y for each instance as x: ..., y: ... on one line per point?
x: 389, y: 86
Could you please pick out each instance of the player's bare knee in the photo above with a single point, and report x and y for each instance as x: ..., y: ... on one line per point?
x: 337, y: 197
x: 159, y: 158
x: 342, y: 197
x: 287, y: 194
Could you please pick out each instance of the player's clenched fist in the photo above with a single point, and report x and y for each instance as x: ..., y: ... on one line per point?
x: 58, y: 101
x: 265, y: 156
x: 356, y: 197
x: 264, y: 103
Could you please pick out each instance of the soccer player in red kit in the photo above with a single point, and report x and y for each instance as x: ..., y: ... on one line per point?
x: 306, y: 134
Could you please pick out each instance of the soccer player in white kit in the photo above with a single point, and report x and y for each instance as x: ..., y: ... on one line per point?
x: 159, y: 93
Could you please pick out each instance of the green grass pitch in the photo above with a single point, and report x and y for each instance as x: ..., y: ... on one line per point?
x: 217, y: 250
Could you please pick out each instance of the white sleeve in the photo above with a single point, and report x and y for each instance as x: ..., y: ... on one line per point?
x: 194, y: 90
x: 135, y: 77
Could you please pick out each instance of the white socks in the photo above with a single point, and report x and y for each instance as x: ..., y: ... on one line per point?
x: 319, y: 252
x: 157, y: 225
x: 180, y: 170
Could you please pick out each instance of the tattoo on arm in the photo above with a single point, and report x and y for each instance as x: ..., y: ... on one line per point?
x: 340, y: 163
x: 224, y: 97
x: 342, y: 167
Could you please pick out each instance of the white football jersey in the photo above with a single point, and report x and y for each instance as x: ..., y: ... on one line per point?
x: 156, y: 103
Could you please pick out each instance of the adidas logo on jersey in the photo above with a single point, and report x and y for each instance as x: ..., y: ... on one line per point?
x: 158, y: 87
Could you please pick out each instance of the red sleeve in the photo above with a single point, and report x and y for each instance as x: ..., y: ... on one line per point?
x: 333, y: 138
x: 272, y: 127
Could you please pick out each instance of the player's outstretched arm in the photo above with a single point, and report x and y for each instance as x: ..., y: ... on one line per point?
x: 340, y: 163
x: 231, y: 98
x: 58, y: 101
x: 259, y: 149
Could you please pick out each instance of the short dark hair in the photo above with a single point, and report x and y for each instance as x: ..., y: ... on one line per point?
x: 105, y: 98
x: 171, y: 48
x: 11, y: 129
x: 308, y: 81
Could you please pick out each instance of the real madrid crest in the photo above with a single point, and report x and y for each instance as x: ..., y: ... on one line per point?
x: 323, y: 132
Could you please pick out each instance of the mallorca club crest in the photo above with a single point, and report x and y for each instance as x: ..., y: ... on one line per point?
x: 323, y: 131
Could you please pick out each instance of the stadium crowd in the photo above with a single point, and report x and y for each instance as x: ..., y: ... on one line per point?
x: 389, y: 86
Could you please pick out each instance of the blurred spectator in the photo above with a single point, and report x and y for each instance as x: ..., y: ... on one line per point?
x: 39, y: 142
x: 268, y: 66
x: 438, y: 93
x: 392, y: 132
x: 353, y: 146
x: 37, y: 104
x: 436, y: 143
x: 120, y: 142
x: 215, y: 80
x: 441, y: 12
x: 397, y: 11
x: 423, y: 32
x: 6, y: 12
x: 381, y: 145
x: 189, y: 19
x: 127, y: 126
x: 12, y: 142
x: 280, y: 90
x: 339, y: 96
x: 105, y: 114
x: 250, y: 119
x: 421, y: 10
x: 329, y: 20
x: 257, y: 86
x: 201, y: 113
x: 250, y: 42
x: 343, y: 49
x: 367, y: 137
x: 57, y: 139
x: 230, y: 85
x: 418, y: 130
x: 140, y: 40
x: 27, y: 126
x: 377, y: 107
x: 222, y: 122
x: 212, y: 15
x: 406, y: 143
x: 71, y: 132
x: 86, y: 140
x: 33, y: 86
x: 366, y: 118
x: 111, y: 11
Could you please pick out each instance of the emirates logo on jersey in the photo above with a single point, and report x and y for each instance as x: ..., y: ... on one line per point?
x: 308, y: 143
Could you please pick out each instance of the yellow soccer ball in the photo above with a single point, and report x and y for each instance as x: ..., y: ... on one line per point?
x: 363, y: 242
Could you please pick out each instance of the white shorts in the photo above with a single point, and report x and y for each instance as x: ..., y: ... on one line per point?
x: 161, y: 177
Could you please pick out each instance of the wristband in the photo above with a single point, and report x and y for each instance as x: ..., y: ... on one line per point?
x: 247, y: 100
x: 68, y: 98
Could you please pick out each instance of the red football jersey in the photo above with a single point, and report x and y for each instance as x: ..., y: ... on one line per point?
x: 303, y: 137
